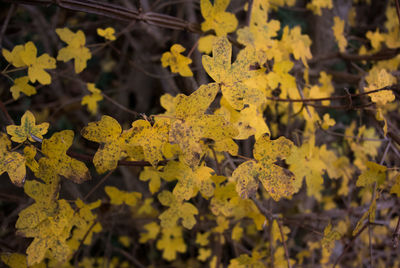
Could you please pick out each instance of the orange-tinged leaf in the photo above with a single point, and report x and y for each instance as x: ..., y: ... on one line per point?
x: 11, y: 162
x: 75, y: 50
x: 27, y: 129
x: 55, y: 150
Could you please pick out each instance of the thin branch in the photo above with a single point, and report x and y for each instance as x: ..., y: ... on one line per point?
x: 92, y: 190
x: 284, y: 243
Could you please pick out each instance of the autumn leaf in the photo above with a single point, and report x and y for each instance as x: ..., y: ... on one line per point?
x: 278, y: 181
x: 338, y: 29
x: 113, y: 142
x: 316, y: 6
x: 152, y: 229
x: 231, y: 77
x: 216, y: 18
x: 75, y: 50
x: 171, y: 242
x: 177, y: 210
x: 11, y: 162
x: 153, y: 176
x: 379, y: 78
x: 27, y: 129
x: 107, y: 33
x: 21, y: 85
x: 119, y: 197
x: 373, y: 173
x: 92, y: 99
x: 30, y: 153
x: 190, y: 124
x: 26, y: 55
x: 151, y: 138
x: 296, y: 43
x: 177, y: 62
x: 55, y: 150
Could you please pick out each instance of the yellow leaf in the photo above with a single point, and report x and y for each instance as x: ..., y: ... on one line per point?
x: 27, y: 129
x: 177, y: 210
x: 118, y: 197
x: 297, y: 43
x: 278, y: 181
x: 231, y: 77
x: 327, y: 122
x: 75, y: 50
x: 171, y: 242
x: 107, y: 33
x: 36, y: 65
x: 316, y: 5
x: 21, y: 85
x: 92, y: 99
x: 14, y: 56
x: 206, y: 43
x: 216, y: 18
x: 374, y: 173
x: 107, y: 132
x: 177, y: 62
x: 30, y: 153
x: 55, y: 150
x: 376, y: 39
x: 204, y: 254
x: 338, y: 29
x: 202, y: 239
x: 151, y: 138
x: 237, y: 232
x: 379, y: 78
x: 11, y: 162
x: 153, y: 176
x: 17, y: 260
x: 152, y: 229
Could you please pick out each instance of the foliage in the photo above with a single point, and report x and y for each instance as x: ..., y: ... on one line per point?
x: 176, y: 182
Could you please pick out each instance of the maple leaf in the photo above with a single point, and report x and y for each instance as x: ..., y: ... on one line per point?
x: 374, y: 173
x: 118, y: 197
x: 191, y: 124
x: 55, y: 151
x: 152, y: 229
x: 248, y: 122
x: 27, y: 129
x: 316, y: 5
x: 296, y: 43
x: 379, y: 78
x: 26, y: 55
x: 11, y: 162
x: 21, y: 85
x: 75, y: 50
x: 107, y: 33
x: 151, y: 138
x: 14, y: 56
x: 190, y: 181
x: 92, y: 99
x: 29, y: 153
x: 171, y: 242
x: 177, y: 62
x: 108, y: 133
x: 260, y: 33
x: 153, y: 176
x: 50, y: 227
x: 338, y: 29
x: 231, y: 77
x: 280, y: 76
x: 278, y: 181
x: 36, y: 65
x: 177, y: 210
x: 216, y: 18
x: 206, y: 43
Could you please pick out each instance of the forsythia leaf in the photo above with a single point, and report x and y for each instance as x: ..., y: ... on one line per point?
x: 338, y: 29
x: 21, y: 85
x: 278, y: 181
x: 177, y: 62
x: 118, y: 197
x: 177, y: 210
x: 107, y: 33
x: 11, y: 162
x: 27, y: 129
x: 55, y: 150
x: 75, y: 50
x: 92, y: 99
x: 216, y: 18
